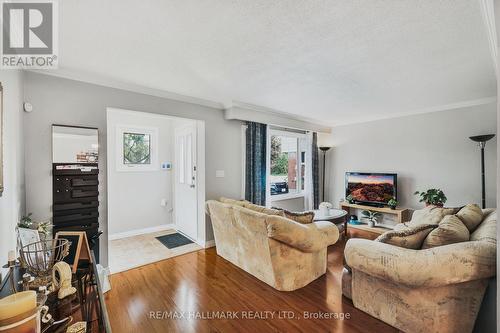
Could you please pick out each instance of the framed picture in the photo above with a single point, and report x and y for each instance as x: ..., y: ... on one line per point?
x: 78, y: 248
x: 27, y: 236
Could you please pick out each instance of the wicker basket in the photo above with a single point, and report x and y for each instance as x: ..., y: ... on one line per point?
x: 40, y: 257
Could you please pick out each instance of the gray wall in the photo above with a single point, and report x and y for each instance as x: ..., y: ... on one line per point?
x: 12, y: 202
x: 62, y: 101
x: 427, y: 150
x: 134, y: 195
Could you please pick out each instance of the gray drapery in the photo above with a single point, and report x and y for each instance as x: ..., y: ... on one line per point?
x: 255, y: 173
x: 315, y: 170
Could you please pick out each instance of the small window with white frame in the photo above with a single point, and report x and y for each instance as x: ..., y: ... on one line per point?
x: 287, y: 164
x: 136, y: 148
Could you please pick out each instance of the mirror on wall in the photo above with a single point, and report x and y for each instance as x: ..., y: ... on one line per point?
x: 73, y: 144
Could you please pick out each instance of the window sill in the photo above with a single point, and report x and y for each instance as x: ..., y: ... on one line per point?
x: 288, y: 196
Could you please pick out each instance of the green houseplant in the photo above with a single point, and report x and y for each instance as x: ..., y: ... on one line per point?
x: 371, y: 216
x: 393, y: 203
x: 350, y: 199
x: 26, y: 221
x: 432, y: 197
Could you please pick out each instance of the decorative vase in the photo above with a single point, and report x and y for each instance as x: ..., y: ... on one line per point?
x: 371, y: 224
x: 392, y: 207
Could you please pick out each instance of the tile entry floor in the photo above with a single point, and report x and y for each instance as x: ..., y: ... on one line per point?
x: 131, y: 252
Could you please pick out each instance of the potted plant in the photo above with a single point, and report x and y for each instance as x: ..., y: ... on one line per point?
x: 43, y: 227
x: 393, y: 203
x: 25, y: 221
x: 432, y: 197
x: 372, y: 217
x: 350, y: 199
x: 324, y: 208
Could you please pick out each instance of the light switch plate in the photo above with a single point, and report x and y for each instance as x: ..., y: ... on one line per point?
x: 219, y: 173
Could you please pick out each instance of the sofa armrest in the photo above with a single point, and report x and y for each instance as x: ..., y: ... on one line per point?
x: 438, y: 266
x: 310, y: 237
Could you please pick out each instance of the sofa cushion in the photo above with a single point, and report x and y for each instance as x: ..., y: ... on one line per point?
x: 431, y: 215
x: 251, y: 206
x: 487, y: 230
x: 301, y: 217
x: 262, y: 209
x: 450, y: 230
x: 470, y: 215
x: 234, y: 202
x: 407, y: 237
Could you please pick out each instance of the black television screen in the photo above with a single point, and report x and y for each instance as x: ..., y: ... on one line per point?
x: 371, y: 188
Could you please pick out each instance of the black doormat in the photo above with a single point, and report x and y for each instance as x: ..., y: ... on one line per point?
x: 174, y: 240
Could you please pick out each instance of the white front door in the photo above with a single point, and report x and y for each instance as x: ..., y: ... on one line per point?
x: 185, y: 199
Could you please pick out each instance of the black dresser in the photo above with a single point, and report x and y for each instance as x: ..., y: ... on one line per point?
x: 75, y: 200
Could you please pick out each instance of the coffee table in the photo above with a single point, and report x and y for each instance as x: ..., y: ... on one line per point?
x: 336, y: 216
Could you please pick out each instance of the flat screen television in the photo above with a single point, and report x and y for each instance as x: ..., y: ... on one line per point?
x: 371, y: 188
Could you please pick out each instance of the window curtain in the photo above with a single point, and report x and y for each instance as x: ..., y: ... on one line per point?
x: 315, y: 170
x: 312, y: 173
x: 255, y: 163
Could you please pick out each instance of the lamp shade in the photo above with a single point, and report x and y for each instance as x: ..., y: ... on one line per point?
x: 482, y: 138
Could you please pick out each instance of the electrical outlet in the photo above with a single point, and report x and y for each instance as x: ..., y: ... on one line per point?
x: 219, y: 174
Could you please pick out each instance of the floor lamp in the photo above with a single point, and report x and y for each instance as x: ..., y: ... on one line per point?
x: 324, y: 150
x: 481, y: 140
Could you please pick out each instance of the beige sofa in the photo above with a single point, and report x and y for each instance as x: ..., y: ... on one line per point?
x: 438, y: 289
x: 285, y: 254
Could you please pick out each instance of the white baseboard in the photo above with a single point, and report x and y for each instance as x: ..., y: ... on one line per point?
x: 205, y: 244
x: 136, y: 232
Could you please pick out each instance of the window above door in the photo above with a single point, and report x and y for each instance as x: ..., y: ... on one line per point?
x: 136, y: 148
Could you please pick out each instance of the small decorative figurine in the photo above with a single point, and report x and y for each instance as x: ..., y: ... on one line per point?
x: 61, y: 279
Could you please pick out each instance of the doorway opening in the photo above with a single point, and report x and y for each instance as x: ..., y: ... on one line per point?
x: 155, y: 187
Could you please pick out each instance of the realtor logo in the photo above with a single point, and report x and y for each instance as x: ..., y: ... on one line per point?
x: 29, y: 34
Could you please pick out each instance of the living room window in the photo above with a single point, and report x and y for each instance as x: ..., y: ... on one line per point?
x: 287, y: 159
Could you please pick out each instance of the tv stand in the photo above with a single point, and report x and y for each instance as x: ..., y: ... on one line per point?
x: 402, y: 214
x: 373, y: 204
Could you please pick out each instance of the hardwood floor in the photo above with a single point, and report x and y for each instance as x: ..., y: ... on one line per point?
x: 206, y: 283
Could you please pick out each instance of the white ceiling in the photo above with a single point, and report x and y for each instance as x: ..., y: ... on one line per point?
x: 332, y: 61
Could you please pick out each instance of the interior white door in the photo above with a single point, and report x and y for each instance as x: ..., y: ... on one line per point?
x: 185, y: 199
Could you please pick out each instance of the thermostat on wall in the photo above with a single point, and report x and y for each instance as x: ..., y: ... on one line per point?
x: 166, y: 166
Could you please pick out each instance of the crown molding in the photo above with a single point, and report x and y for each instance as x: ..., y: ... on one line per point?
x: 252, y: 112
x: 132, y: 87
x: 488, y: 14
x: 432, y: 109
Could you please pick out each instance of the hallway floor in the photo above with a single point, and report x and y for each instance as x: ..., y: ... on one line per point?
x: 135, y: 251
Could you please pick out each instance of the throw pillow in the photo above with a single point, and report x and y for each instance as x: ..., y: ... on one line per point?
x: 304, y: 217
x: 450, y: 230
x: 431, y: 215
x: 407, y: 237
x: 470, y: 215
